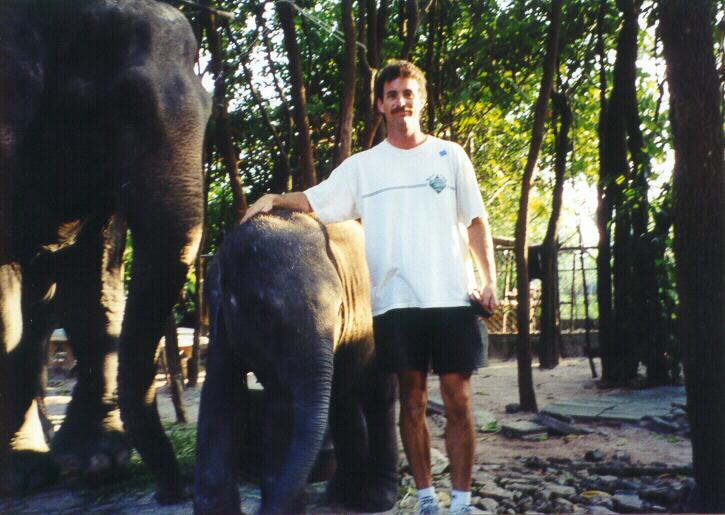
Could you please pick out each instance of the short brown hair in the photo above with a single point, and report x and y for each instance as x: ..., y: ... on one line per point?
x: 397, y: 70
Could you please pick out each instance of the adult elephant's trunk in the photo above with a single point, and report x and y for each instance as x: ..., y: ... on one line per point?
x: 306, y: 402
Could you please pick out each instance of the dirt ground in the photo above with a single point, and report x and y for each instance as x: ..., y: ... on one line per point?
x: 496, y: 386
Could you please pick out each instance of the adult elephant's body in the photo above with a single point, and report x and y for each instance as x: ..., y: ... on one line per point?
x: 101, y: 128
x: 289, y: 298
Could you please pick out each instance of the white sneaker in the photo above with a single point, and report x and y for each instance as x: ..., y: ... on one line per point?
x: 428, y: 506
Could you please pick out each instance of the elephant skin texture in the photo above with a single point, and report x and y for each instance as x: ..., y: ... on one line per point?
x: 289, y: 299
x: 101, y: 130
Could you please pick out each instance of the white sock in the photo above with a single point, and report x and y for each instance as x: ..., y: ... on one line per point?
x: 427, y: 493
x: 460, y: 499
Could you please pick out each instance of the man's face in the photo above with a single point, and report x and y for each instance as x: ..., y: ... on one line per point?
x: 402, y: 102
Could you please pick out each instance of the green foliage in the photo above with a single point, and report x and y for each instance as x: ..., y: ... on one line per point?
x: 485, y: 76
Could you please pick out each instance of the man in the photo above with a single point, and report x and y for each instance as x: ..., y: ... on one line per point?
x: 413, y: 193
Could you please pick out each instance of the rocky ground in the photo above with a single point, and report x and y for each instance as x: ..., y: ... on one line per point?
x: 607, y: 468
x: 594, y: 483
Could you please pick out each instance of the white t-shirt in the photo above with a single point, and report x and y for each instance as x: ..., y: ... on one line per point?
x: 415, y: 206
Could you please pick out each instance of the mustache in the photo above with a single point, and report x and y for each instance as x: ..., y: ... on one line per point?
x: 401, y: 110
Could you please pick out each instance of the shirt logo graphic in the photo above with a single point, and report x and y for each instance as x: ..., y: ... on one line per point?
x: 442, y: 153
x: 437, y: 182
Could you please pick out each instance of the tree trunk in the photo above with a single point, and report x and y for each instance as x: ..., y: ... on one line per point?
x: 699, y: 222
x: 176, y: 376
x: 587, y: 326
x: 308, y: 175
x: 375, y: 23
x: 527, y: 396
x: 192, y: 365
x: 429, y: 64
x: 604, y: 210
x: 222, y: 133
x: 347, y: 103
x: 618, y: 349
x: 411, y: 28
x: 550, y: 342
x: 272, y: 65
x: 643, y: 304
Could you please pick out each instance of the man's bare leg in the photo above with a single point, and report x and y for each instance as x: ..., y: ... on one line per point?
x: 413, y: 425
x: 460, y: 432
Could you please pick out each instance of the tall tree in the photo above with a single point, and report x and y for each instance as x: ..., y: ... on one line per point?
x: 699, y: 223
x: 429, y: 66
x: 618, y: 350
x: 604, y: 206
x: 308, y: 173
x: 411, y: 28
x: 550, y: 342
x: 527, y: 396
x: 347, y: 103
x: 374, y: 21
x: 223, y: 138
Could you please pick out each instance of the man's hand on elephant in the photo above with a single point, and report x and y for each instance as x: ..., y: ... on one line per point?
x: 486, y: 297
x: 264, y: 204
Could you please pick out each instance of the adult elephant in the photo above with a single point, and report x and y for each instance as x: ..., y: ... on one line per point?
x: 101, y: 127
x: 289, y: 299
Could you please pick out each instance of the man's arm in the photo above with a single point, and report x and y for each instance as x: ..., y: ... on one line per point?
x: 481, y: 243
x: 295, y: 200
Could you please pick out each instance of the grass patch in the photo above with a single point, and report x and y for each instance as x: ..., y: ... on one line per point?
x: 491, y: 427
x: 136, y: 480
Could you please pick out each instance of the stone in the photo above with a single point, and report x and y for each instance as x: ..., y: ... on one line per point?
x: 407, y: 504
x: 444, y: 498
x: 660, y: 494
x: 656, y: 508
x: 525, y: 503
x: 600, y: 510
x: 660, y: 425
x: 535, y: 462
x: 627, y: 485
x: 595, y: 455
x: 606, y: 502
x: 443, y: 482
x: 435, y: 408
x: 513, y: 408
x: 562, y: 505
x: 482, y: 477
x: 488, y: 504
x: 628, y: 503
x: 558, y: 427
x: 554, y: 490
x: 439, y: 462
x: 609, y: 482
x: 494, y: 492
x: 522, y: 428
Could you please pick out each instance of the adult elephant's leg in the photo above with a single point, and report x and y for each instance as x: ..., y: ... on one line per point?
x: 380, y: 491
x: 216, y: 488
x: 161, y: 197
x: 158, y: 275
x: 90, y: 306
x: 25, y: 463
x: 21, y: 83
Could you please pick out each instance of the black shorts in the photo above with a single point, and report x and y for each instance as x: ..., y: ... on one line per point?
x: 446, y: 339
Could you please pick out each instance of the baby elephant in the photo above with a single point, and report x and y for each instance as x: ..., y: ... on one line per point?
x: 289, y: 299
